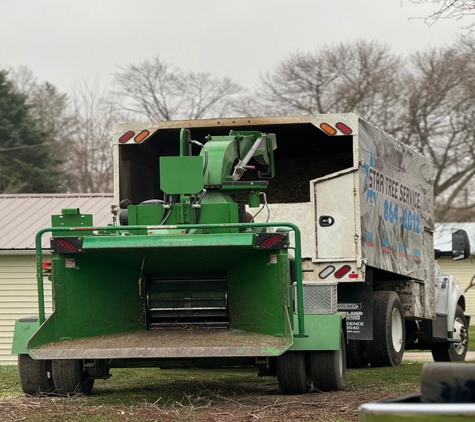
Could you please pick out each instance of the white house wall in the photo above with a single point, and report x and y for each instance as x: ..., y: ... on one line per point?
x: 18, y: 297
x: 463, y: 271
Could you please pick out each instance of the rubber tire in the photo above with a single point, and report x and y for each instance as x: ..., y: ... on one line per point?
x: 381, y: 350
x: 70, y: 377
x: 293, y: 373
x: 356, y: 356
x: 453, y: 352
x: 328, y: 368
x: 35, y: 375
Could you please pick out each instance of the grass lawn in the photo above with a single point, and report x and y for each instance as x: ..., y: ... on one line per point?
x: 204, y: 395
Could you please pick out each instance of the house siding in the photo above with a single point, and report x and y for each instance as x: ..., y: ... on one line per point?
x: 463, y: 271
x: 18, y: 297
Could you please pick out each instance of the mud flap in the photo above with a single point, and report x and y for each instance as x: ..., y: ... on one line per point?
x: 356, y: 300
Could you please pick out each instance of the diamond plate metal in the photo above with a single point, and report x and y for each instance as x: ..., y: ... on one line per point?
x: 318, y: 298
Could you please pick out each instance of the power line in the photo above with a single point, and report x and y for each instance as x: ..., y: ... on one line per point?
x: 26, y: 146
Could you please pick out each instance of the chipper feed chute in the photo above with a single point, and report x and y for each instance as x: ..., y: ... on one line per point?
x: 175, y: 295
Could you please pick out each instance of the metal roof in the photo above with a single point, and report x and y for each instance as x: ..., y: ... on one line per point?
x: 23, y: 215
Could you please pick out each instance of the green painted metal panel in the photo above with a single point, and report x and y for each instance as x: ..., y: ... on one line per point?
x: 222, y: 153
x: 168, y: 241
x: 181, y: 175
x: 71, y: 217
x: 23, y: 332
x: 45, y: 335
x: 101, y: 292
x: 323, y: 333
x: 145, y: 214
x: 93, y: 295
x: 258, y: 293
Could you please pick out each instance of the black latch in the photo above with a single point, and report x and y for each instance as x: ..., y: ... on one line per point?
x: 326, y: 221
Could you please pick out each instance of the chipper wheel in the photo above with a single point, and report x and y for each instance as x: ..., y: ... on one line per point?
x: 453, y: 352
x: 35, y: 375
x: 328, y: 368
x: 70, y: 377
x: 389, y: 335
x: 293, y: 373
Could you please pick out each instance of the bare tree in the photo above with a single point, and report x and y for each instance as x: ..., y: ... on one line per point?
x: 440, y: 116
x: 89, y: 157
x: 361, y: 77
x: 449, y: 9
x: 427, y: 102
x: 159, y: 91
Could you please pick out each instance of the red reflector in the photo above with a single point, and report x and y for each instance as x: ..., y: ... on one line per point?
x: 343, y: 128
x: 271, y: 241
x: 46, y: 267
x: 353, y: 275
x: 328, y: 129
x: 67, y: 245
x: 141, y: 136
x: 342, y: 271
x: 126, y: 136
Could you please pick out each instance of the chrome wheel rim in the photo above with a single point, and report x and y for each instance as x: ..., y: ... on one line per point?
x: 460, y: 333
x: 397, y: 330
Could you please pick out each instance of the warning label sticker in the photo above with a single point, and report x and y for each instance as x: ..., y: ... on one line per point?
x: 70, y: 263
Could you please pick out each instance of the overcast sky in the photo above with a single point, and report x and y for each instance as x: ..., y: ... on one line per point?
x: 63, y: 41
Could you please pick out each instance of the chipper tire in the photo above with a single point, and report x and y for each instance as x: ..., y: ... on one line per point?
x: 35, y: 375
x: 387, y: 346
x: 453, y: 352
x: 328, y: 368
x: 70, y: 378
x: 293, y: 373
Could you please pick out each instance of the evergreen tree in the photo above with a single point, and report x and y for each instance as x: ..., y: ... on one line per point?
x: 27, y: 164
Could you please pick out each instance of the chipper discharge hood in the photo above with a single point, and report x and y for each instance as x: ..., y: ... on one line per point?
x: 184, y: 276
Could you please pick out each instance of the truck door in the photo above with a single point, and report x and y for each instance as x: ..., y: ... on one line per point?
x: 335, y: 217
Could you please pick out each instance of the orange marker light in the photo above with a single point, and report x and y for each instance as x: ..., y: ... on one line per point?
x: 141, y: 136
x: 328, y: 129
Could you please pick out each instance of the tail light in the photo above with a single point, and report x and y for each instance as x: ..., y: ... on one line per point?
x: 66, y: 244
x: 342, y: 271
x: 271, y: 240
x: 46, y: 266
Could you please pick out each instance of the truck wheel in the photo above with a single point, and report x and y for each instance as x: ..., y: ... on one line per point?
x: 293, y: 373
x: 387, y: 346
x: 328, y: 368
x: 35, y: 375
x: 356, y: 356
x: 453, y: 352
x: 70, y: 378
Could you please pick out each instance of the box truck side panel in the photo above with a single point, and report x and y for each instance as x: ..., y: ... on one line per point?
x: 396, y: 205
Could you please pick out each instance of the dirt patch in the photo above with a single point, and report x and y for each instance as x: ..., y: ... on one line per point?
x: 202, y: 405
